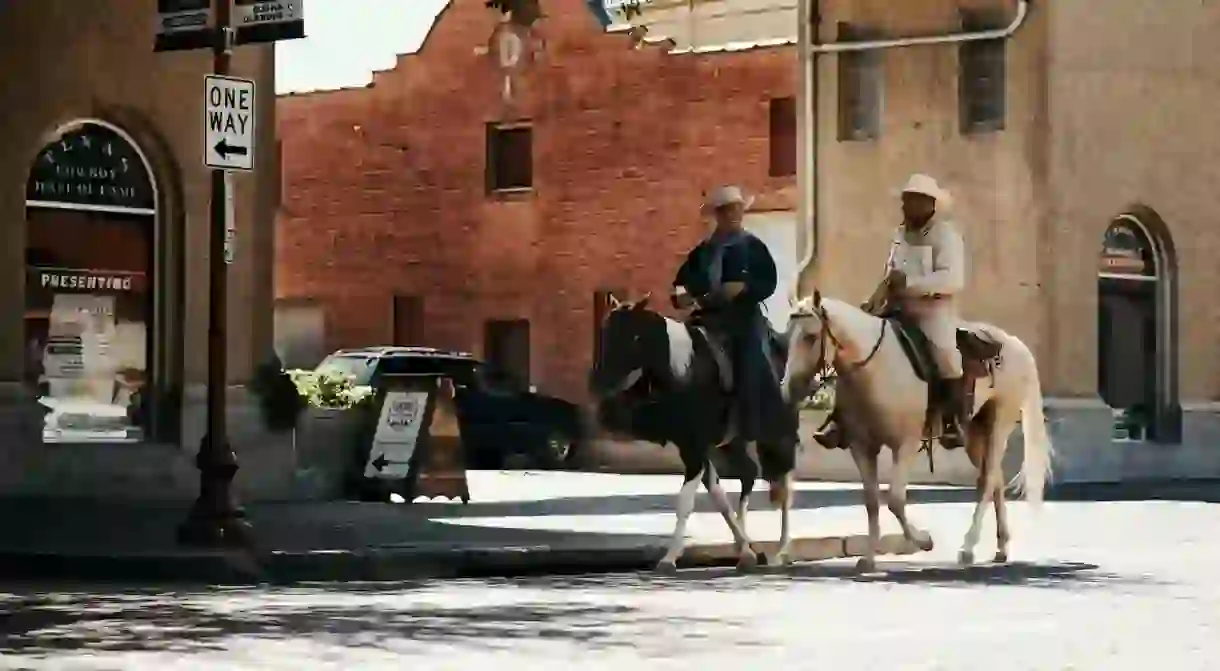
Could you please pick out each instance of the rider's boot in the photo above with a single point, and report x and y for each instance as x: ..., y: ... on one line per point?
x: 955, y: 413
x: 831, y: 435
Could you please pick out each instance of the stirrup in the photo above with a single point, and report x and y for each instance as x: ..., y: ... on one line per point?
x: 831, y: 437
x: 953, y: 436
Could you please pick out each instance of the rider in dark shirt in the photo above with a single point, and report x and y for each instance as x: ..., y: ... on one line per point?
x: 725, y: 279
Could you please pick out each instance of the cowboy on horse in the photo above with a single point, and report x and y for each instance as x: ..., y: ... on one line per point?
x: 711, y: 381
x: 924, y: 273
x: 724, y: 281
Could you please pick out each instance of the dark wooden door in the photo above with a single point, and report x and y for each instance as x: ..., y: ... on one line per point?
x: 507, y: 349
x: 1126, y: 330
x: 408, y: 321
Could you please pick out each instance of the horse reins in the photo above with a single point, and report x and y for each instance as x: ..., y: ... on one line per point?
x: 823, y: 367
x: 828, y: 335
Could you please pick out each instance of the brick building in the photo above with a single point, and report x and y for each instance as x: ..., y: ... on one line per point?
x: 103, y: 303
x: 1080, y: 168
x: 396, y: 223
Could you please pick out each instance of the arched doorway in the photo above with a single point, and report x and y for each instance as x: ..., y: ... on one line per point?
x: 91, y: 224
x: 1136, y: 328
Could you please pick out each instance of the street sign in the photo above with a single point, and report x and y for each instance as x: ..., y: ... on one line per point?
x: 610, y: 12
x: 269, y: 20
x: 228, y: 122
x: 183, y: 24
x: 230, y: 220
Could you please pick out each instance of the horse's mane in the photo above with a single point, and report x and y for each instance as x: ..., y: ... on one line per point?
x: 833, y: 307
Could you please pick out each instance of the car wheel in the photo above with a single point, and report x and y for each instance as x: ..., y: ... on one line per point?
x: 557, y: 451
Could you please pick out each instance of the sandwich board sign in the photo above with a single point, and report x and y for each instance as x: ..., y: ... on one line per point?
x: 228, y: 123
x: 399, y: 424
x: 268, y: 20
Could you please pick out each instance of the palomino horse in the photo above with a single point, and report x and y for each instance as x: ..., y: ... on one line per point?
x: 883, y: 401
x: 664, y: 381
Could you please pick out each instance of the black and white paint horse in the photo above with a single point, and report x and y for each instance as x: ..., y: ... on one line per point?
x: 660, y: 380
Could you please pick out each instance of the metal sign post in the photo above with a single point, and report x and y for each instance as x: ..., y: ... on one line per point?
x: 230, y: 142
x: 215, y: 518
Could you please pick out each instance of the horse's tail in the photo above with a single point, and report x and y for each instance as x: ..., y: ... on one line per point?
x: 1036, y: 464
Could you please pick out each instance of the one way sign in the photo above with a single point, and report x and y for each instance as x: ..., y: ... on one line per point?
x: 228, y: 123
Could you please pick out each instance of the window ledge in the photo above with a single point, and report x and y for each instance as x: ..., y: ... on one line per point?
x: 512, y: 193
x: 982, y: 128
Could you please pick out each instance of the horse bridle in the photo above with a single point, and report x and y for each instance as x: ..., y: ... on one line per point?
x: 825, y: 335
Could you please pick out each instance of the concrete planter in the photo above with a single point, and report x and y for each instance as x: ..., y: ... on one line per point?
x: 323, y: 449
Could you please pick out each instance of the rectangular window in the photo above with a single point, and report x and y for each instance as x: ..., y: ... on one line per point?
x: 861, y: 85
x: 982, y: 77
x: 408, y: 321
x: 601, y: 309
x: 510, y: 157
x: 506, y: 348
x: 783, y: 137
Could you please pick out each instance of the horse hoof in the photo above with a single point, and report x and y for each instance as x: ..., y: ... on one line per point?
x: 747, y: 561
x: 866, y: 565
x: 923, y: 541
x: 666, y: 567
x: 1001, y: 557
x: 965, y: 558
x: 780, y: 560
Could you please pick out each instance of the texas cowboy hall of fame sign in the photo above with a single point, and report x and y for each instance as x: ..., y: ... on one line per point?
x: 1127, y: 253
x: 93, y: 167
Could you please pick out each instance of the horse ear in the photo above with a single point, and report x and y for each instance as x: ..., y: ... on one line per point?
x: 613, y: 302
x: 643, y: 302
x: 817, y: 297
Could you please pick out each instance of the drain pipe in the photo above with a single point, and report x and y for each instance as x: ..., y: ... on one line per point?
x: 808, y: 50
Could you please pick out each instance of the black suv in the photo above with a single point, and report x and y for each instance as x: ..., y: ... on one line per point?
x: 498, y: 418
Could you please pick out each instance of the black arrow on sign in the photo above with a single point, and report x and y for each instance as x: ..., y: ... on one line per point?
x: 381, y: 462
x: 225, y: 150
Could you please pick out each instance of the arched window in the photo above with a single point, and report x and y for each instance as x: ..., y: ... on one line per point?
x: 1135, y: 344
x: 90, y: 228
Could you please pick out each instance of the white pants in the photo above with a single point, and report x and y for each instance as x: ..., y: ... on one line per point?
x: 938, y: 319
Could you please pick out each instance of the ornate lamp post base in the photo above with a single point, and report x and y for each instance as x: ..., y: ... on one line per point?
x: 215, y: 520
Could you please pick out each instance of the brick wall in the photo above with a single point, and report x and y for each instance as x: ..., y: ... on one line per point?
x: 384, y: 189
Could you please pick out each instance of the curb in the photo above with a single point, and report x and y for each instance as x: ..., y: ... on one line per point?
x: 279, y: 567
x: 402, y: 563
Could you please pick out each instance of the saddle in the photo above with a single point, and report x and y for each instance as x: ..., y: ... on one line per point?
x: 980, y: 354
x: 719, y: 347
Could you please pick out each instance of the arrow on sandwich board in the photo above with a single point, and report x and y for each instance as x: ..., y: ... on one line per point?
x: 381, y: 462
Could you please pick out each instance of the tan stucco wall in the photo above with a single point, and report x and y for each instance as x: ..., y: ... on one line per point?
x: 995, y: 178
x: 1133, y: 98
x: 64, y: 60
x: 68, y: 60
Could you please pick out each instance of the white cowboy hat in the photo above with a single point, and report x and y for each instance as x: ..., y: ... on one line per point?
x: 923, y: 184
x: 726, y: 195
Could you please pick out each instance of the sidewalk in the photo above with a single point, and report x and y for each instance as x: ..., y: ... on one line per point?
x: 516, y: 523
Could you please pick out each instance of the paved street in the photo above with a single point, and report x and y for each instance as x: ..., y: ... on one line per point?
x: 1101, y: 586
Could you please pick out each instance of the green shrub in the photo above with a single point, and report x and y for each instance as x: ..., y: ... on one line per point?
x: 329, y: 389
x: 278, y: 399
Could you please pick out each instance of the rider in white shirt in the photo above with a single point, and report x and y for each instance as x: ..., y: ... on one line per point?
x: 925, y: 272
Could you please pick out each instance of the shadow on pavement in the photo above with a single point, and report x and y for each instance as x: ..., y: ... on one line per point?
x: 631, y: 504
x: 1207, y: 491
x: 48, y: 624
x: 1059, y: 575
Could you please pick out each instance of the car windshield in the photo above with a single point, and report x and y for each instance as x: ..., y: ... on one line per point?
x: 460, y: 369
x: 360, y: 367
